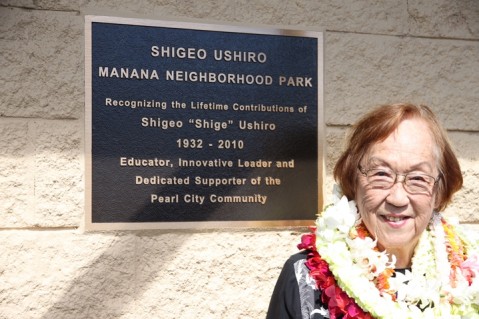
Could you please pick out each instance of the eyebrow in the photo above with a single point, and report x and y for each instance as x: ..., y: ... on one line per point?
x: 417, y: 166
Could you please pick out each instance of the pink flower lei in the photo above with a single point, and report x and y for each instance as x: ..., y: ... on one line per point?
x: 339, y: 304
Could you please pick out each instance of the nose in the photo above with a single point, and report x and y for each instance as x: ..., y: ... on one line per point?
x: 398, y: 196
x: 400, y: 178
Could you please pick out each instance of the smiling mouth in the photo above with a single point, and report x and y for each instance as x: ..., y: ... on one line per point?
x: 395, y: 219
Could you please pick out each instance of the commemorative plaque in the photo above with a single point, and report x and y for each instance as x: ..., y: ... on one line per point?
x: 201, y: 125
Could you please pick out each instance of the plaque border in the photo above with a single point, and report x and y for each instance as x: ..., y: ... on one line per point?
x: 202, y: 26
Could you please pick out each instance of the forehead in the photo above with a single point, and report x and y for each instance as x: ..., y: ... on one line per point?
x: 411, y: 145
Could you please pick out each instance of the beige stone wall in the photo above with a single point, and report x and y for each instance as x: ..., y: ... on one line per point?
x: 376, y: 52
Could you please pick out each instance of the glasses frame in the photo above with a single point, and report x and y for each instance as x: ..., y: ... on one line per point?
x: 365, y: 172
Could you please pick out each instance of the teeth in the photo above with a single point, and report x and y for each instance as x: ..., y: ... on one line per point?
x: 394, y: 219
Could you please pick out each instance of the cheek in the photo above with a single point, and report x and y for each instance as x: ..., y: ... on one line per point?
x: 367, y: 197
x: 368, y: 202
x: 424, y: 210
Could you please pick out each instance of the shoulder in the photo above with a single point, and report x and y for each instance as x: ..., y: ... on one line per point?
x: 295, y: 268
x: 301, y: 256
x: 285, y: 300
x: 295, y: 296
x: 288, y: 273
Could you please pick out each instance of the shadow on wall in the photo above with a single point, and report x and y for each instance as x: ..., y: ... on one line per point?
x: 142, y: 270
x: 142, y: 275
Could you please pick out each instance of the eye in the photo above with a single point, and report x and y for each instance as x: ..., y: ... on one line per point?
x: 418, y: 178
x: 380, y: 173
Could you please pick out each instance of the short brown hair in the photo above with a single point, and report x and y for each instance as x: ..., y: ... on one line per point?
x: 376, y: 126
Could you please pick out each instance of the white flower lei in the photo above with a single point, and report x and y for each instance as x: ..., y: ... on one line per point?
x: 424, y: 292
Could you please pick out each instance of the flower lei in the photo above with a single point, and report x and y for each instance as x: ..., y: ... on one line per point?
x: 356, y: 279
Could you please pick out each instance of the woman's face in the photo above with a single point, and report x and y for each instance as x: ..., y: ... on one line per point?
x: 395, y: 217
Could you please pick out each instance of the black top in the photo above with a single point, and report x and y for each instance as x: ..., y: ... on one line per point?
x: 293, y: 298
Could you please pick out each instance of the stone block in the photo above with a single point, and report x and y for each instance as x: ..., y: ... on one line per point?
x: 41, y: 173
x: 16, y: 172
x: 65, y: 274
x: 224, y: 265
x: 59, y: 182
x: 362, y: 71
x: 42, y: 64
x: 465, y: 203
x: 444, y: 18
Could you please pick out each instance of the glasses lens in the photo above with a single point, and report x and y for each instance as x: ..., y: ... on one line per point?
x: 419, y: 183
x: 381, y: 178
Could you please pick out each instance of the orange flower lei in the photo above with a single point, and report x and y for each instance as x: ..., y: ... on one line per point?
x: 456, y: 252
x: 382, y: 281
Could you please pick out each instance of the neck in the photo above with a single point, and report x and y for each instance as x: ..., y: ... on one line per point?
x: 403, y: 258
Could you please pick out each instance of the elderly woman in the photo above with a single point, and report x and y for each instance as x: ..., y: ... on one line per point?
x: 389, y: 252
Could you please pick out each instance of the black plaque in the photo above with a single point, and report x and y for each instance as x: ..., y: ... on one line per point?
x: 199, y: 125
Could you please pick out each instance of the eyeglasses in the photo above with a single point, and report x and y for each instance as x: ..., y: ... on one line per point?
x: 414, y: 182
